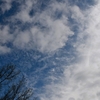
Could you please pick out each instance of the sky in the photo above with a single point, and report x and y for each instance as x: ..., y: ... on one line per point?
x: 56, y: 44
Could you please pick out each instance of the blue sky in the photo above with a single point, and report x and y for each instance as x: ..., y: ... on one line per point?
x: 55, y: 43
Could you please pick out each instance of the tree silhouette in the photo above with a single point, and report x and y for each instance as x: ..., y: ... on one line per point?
x: 13, y: 85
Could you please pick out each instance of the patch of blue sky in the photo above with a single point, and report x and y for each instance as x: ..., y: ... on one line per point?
x: 37, y: 65
x: 43, y: 4
x: 83, y: 4
x: 12, y: 11
x: 39, y: 7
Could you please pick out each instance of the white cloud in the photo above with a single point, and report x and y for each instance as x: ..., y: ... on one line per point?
x: 54, y: 37
x: 5, y: 37
x: 4, y: 49
x: 6, y: 5
x: 81, y: 80
x: 22, y: 40
x: 51, y: 33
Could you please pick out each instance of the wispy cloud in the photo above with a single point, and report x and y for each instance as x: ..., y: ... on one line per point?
x: 50, y: 29
x: 80, y: 80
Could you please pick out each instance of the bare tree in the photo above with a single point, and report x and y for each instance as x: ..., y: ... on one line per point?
x: 7, y: 73
x: 14, y: 85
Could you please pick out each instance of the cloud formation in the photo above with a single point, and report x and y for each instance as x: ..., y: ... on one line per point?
x: 5, y: 5
x: 47, y: 30
x: 81, y: 80
x: 5, y: 37
x: 50, y: 29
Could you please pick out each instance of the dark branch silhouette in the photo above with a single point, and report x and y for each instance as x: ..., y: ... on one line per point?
x: 14, y: 85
